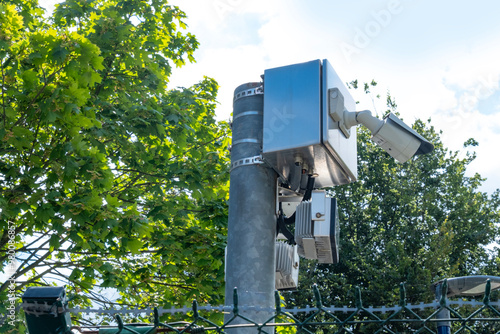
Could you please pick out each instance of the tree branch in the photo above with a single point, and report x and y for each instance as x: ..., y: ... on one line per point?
x: 35, y: 264
x: 47, y: 81
x: 33, y: 279
x: 140, y: 172
x: 182, y: 286
x: 88, y: 253
x: 108, y: 67
x: 25, y: 248
x: 3, y: 99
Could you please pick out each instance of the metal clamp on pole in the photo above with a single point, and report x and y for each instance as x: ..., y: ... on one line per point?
x: 256, y: 160
x: 248, y: 92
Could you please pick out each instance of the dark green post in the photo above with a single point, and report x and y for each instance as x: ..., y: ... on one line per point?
x: 46, y: 310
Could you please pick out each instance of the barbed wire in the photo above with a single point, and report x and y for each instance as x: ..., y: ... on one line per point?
x: 296, y: 310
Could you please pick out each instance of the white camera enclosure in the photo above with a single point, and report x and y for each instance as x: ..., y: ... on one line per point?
x: 298, y: 128
x: 391, y: 133
x: 399, y: 140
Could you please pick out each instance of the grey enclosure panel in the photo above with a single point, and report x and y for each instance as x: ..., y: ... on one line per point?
x: 297, y: 124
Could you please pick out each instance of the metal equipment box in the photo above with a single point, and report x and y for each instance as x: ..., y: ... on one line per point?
x: 299, y: 135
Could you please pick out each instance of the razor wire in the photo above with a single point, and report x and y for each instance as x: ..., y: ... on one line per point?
x: 481, y: 317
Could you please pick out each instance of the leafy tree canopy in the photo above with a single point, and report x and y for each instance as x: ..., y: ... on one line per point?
x: 109, y: 177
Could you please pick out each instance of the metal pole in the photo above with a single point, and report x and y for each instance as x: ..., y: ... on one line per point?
x: 250, y: 260
x: 443, y: 327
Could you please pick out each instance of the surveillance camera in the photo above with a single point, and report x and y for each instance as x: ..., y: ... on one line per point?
x: 392, y: 134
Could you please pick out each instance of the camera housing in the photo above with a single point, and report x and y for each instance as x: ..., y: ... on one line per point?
x: 391, y: 133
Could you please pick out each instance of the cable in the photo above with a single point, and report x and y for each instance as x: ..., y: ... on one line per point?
x: 282, y: 221
x: 307, y: 196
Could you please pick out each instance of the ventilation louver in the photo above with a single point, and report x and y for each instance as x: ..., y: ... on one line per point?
x: 317, y: 228
x: 287, y: 266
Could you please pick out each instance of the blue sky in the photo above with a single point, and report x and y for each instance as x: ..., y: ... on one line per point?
x: 437, y: 59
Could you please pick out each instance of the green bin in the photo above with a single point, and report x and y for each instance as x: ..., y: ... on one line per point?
x: 46, y: 310
x: 128, y: 329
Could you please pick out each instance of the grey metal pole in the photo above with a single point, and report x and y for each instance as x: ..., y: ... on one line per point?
x: 250, y: 260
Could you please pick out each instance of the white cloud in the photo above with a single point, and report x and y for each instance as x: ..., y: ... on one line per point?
x: 229, y: 66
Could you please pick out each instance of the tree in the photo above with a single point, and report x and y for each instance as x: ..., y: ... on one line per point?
x: 109, y: 177
x: 416, y: 223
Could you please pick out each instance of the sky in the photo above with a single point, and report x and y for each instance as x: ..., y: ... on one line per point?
x: 438, y: 59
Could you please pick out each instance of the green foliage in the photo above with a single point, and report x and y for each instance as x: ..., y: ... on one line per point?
x: 416, y: 223
x: 110, y: 178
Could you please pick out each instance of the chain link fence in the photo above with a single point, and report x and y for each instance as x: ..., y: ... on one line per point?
x: 466, y: 316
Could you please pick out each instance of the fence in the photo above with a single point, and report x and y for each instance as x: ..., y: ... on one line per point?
x: 467, y: 316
